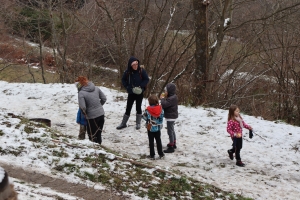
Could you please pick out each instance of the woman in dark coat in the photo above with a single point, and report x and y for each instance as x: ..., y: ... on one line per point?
x: 134, y: 76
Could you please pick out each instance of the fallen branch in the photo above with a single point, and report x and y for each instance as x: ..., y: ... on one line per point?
x: 143, y: 165
x: 259, y: 135
x: 295, y: 148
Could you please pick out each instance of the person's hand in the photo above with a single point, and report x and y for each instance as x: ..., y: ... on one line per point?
x: 238, y: 135
x: 162, y: 95
x: 250, y: 128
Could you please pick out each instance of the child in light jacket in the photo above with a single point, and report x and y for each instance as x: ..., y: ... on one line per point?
x: 235, y: 127
x: 153, y: 116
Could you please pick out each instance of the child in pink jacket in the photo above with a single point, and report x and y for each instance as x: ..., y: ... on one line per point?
x: 235, y: 127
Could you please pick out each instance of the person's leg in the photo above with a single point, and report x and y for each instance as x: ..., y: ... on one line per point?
x: 151, y: 143
x: 130, y: 101
x: 89, y: 129
x: 237, y: 154
x: 82, y: 130
x: 171, y: 133
x: 94, y: 129
x: 100, y: 123
x: 239, y: 145
x: 232, y: 150
x: 158, y: 143
x: 138, y: 103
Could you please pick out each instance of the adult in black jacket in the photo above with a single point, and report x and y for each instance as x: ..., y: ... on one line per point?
x: 134, y: 76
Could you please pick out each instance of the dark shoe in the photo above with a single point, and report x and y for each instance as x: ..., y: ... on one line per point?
x: 174, y: 146
x: 162, y: 156
x: 151, y: 157
x: 169, y: 150
x: 230, y: 154
x: 240, y: 164
x: 80, y: 137
x: 123, y: 123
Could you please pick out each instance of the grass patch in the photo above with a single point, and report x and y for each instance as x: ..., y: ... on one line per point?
x: 20, y: 73
x: 35, y: 139
x: 61, y: 154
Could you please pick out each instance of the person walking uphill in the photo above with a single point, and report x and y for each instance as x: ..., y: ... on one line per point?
x: 169, y: 102
x: 134, y: 80
x: 91, y: 100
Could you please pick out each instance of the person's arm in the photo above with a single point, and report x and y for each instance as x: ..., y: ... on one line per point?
x: 125, y: 81
x: 145, y: 115
x: 145, y: 78
x: 81, y: 102
x: 102, y: 97
x: 246, y: 125
x: 165, y: 102
x: 161, y: 117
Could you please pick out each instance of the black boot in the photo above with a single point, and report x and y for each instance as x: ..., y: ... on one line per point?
x: 123, y: 123
x: 169, y: 150
x: 174, y: 146
x: 230, y: 153
x: 240, y: 163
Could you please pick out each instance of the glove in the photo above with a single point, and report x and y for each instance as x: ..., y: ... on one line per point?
x: 250, y: 134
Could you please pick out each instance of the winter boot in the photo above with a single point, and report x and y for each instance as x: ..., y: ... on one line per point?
x: 162, y: 156
x: 138, y: 121
x: 230, y: 153
x: 240, y: 164
x: 123, y: 123
x: 169, y: 150
x: 174, y: 146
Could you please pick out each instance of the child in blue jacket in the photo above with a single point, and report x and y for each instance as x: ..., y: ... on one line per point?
x: 153, y: 116
x: 81, y: 120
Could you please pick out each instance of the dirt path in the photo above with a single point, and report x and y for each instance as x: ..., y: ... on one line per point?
x: 59, y: 185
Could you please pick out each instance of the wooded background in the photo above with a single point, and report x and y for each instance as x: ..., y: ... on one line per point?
x: 217, y: 52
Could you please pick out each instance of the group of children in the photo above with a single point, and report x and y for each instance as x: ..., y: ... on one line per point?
x: 168, y: 109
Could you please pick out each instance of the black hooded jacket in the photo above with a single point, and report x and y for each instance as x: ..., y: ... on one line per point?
x: 134, y: 78
x: 170, y: 103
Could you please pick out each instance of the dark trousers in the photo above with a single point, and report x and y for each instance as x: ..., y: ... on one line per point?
x: 237, y: 145
x: 138, y: 98
x: 94, y: 129
x: 151, y: 137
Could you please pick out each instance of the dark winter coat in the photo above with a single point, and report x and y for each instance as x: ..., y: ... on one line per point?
x: 134, y: 78
x: 170, y: 103
x: 91, y: 100
x: 80, y: 118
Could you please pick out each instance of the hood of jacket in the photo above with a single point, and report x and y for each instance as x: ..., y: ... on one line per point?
x: 90, y: 87
x: 155, y: 111
x: 131, y: 60
x: 171, y: 89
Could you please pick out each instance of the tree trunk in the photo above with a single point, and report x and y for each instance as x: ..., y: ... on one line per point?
x: 201, y: 53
